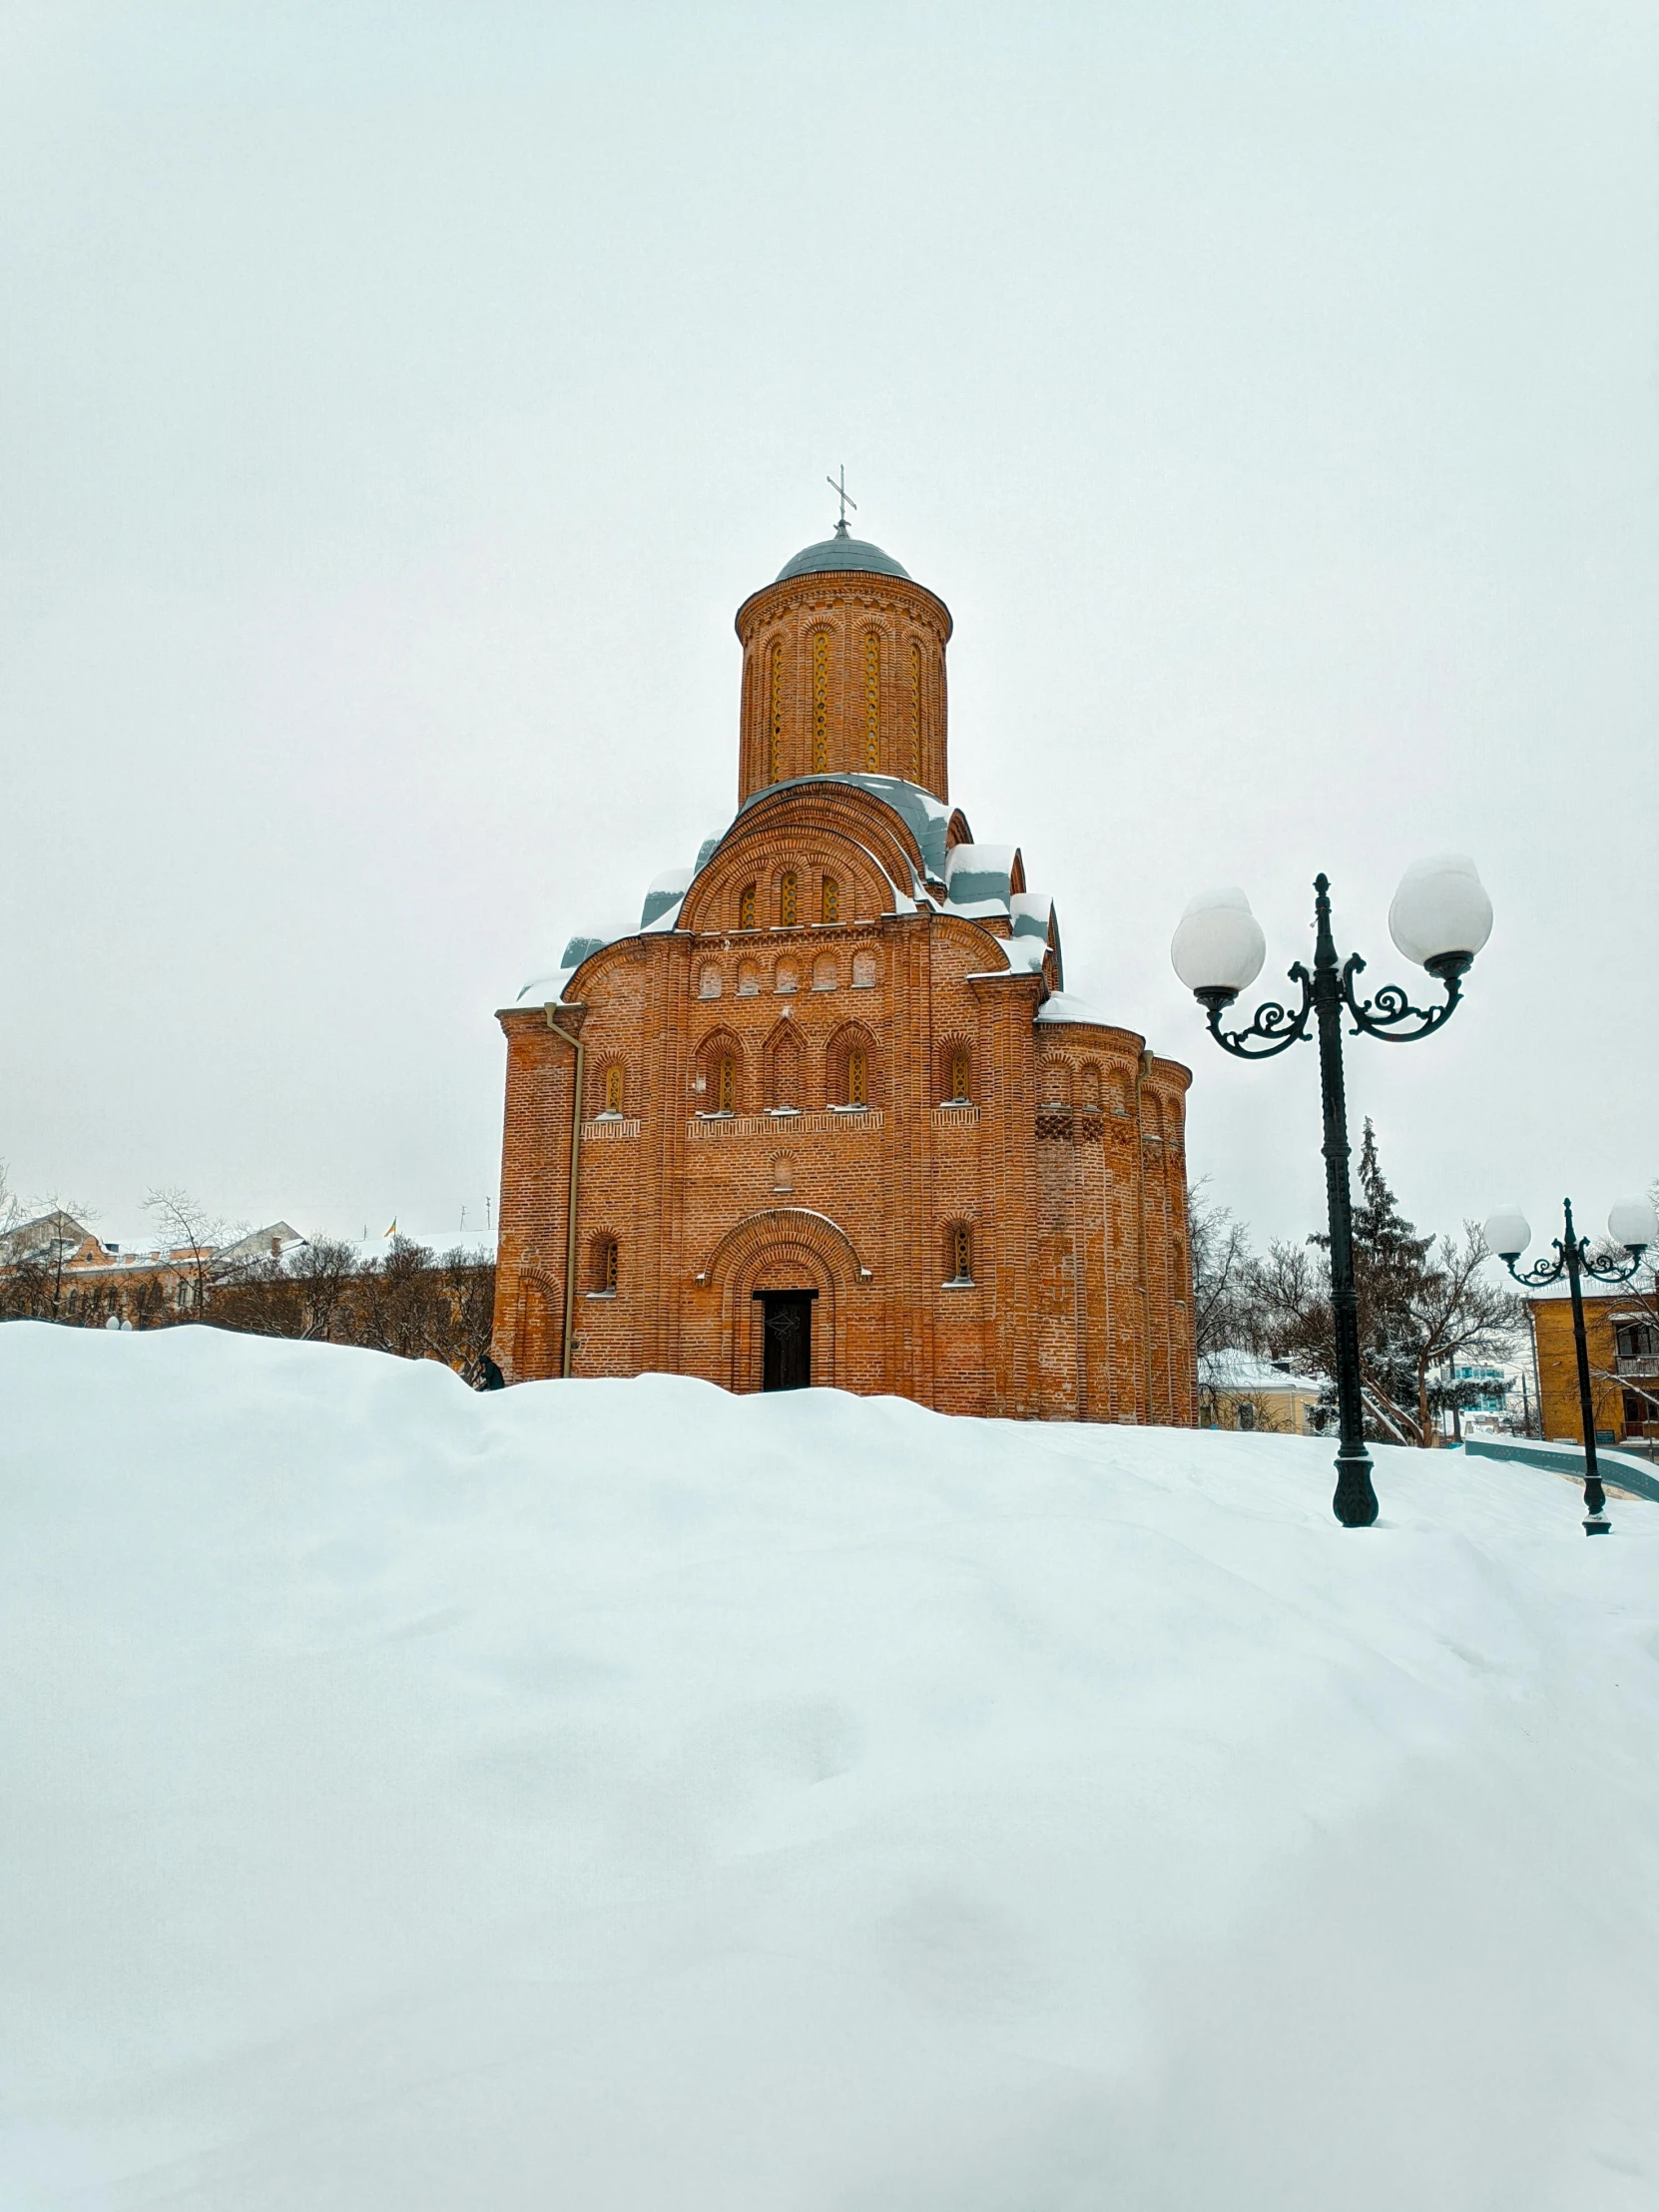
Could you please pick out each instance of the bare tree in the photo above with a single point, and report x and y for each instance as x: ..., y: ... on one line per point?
x: 189, y: 1228
x: 1224, y: 1268
x: 467, y: 1283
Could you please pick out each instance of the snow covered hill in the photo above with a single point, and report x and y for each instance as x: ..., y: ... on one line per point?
x: 624, y: 1796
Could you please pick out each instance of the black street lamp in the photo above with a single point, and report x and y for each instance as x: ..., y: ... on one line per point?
x: 1631, y: 1224
x: 1440, y: 919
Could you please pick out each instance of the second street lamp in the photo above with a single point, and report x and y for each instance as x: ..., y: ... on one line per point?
x: 1631, y: 1224
x: 1440, y: 919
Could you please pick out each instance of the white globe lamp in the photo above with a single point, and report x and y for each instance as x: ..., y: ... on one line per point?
x: 1633, y: 1224
x: 1507, y: 1232
x: 1441, y: 916
x: 1218, y: 947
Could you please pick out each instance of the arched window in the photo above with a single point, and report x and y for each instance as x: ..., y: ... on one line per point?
x: 863, y: 971
x: 726, y: 1084
x: 821, y: 701
x: 829, y: 904
x: 825, y: 973
x: 1054, y: 1084
x: 857, y: 1076
x: 708, y: 983
x: 873, y: 700
x: 959, y: 1255
x: 959, y: 1072
x: 1091, y: 1087
x: 775, y: 712
x: 605, y: 1265
x: 746, y: 908
x: 788, y: 899
x: 613, y: 1090
x: 749, y: 980
x: 915, y: 714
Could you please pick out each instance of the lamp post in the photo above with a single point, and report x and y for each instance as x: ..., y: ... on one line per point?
x: 1631, y: 1222
x: 1440, y: 919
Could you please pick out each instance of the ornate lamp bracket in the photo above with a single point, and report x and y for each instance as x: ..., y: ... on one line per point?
x: 1386, y: 1014
x: 1273, y: 1028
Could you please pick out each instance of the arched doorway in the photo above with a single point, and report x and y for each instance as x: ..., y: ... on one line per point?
x: 783, y: 1262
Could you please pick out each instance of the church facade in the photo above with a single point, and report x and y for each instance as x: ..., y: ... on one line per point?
x: 830, y: 1115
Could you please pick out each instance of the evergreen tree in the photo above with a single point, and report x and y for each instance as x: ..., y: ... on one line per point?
x: 1418, y: 1307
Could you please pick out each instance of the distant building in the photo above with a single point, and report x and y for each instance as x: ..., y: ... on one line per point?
x: 1236, y: 1390
x: 1621, y: 1333
x: 56, y: 1269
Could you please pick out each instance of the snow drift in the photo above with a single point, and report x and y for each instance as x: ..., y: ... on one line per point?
x: 621, y: 1795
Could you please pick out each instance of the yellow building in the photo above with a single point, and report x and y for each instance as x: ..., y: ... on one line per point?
x: 1621, y: 1335
x: 1236, y: 1390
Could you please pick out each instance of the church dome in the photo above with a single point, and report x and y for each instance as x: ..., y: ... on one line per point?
x: 839, y: 553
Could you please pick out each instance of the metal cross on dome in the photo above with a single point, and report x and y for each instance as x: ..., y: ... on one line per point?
x: 838, y: 484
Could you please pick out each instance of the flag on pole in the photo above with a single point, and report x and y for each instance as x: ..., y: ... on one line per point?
x: 392, y: 1231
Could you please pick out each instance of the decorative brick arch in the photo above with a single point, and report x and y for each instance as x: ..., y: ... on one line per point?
x: 537, y: 1349
x: 785, y: 1247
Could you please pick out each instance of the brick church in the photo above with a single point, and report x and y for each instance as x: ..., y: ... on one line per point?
x: 829, y: 1114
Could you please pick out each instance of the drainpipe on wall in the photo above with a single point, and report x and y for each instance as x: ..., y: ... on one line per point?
x: 574, y: 1167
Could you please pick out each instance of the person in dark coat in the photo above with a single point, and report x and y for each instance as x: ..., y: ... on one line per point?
x: 491, y: 1376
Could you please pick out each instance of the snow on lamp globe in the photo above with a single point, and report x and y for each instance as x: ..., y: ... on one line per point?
x: 1441, y: 916
x: 1218, y: 947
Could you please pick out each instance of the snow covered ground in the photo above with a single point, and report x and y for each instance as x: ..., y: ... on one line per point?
x: 620, y: 1795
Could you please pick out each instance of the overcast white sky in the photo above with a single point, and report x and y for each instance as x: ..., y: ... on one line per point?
x: 396, y: 403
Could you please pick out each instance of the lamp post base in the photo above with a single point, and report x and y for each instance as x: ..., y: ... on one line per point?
x: 1597, y: 1524
x: 1355, y: 1502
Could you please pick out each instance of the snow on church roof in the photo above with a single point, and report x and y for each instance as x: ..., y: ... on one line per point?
x: 1067, y: 1006
x: 977, y: 880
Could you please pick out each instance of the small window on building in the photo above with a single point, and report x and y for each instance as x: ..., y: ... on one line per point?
x: 746, y: 908
x: 788, y: 899
x: 959, y: 1253
x: 605, y: 1264
x: 787, y: 978
x: 1637, y: 1340
x: 726, y: 1085
x: 858, y: 1077
x: 708, y: 983
x: 1247, y: 1413
x: 1091, y: 1087
x: 831, y: 903
x: 1638, y: 1412
x: 749, y: 980
x: 863, y: 971
x: 825, y: 974
x: 960, y: 1076
x: 613, y: 1090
